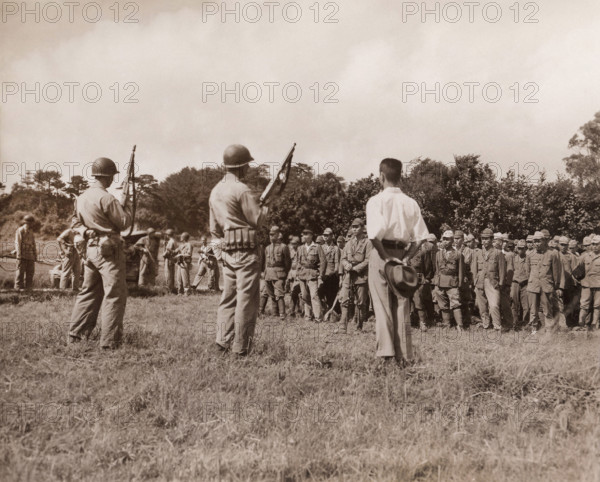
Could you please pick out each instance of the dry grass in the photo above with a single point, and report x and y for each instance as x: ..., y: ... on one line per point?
x: 306, y: 404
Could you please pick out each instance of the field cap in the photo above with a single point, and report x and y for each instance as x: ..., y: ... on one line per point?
x: 431, y: 237
x: 538, y: 235
x: 469, y: 237
x: 487, y: 233
x: 328, y: 231
x: 274, y: 230
x: 498, y: 236
x: 459, y: 234
x: 358, y: 222
x: 572, y: 244
x: 587, y: 241
x: 307, y: 231
x: 563, y: 240
x: 529, y: 238
x: 545, y: 233
x: 521, y: 244
x: 448, y: 234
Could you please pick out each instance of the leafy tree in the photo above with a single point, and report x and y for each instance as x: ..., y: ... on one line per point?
x: 76, y: 186
x: 584, y: 165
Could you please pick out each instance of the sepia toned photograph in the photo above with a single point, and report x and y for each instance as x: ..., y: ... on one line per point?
x: 299, y: 240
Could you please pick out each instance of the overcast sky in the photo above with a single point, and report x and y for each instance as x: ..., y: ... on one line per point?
x: 371, y: 65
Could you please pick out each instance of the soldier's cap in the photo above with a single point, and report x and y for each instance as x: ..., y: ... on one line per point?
x: 563, y: 240
x: 448, y: 235
x: 587, y: 241
x: 341, y: 238
x: 328, y: 231
x: 431, y: 237
x: 510, y: 242
x: 498, y: 236
x: 469, y: 237
x: 538, y: 235
x: 459, y: 234
x: 596, y: 239
x: 295, y: 239
x: 557, y: 238
x: 307, y: 231
x: 320, y: 239
x: 28, y: 218
x: 358, y: 222
x: 274, y: 230
x: 169, y: 232
x: 487, y: 233
x: 572, y: 244
x: 545, y: 233
x: 529, y: 238
x: 521, y: 244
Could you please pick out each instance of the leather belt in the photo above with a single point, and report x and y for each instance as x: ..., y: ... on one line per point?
x: 393, y: 244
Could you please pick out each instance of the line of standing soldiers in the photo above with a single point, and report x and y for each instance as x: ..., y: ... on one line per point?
x: 317, y: 275
x: 509, y: 284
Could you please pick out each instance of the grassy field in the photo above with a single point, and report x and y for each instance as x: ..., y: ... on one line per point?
x: 306, y: 404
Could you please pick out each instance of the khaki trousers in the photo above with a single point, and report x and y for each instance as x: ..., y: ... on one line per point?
x: 488, y: 302
x: 104, y: 287
x: 310, y: 297
x: 70, y: 271
x: 392, y: 314
x: 238, y: 308
x: 170, y: 274
x: 24, y: 273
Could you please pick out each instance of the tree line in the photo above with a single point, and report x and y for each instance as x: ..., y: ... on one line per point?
x: 467, y: 195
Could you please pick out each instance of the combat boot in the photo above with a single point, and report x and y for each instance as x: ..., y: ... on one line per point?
x: 281, y: 303
x: 458, y: 318
x: 343, y: 323
x: 263, y: 305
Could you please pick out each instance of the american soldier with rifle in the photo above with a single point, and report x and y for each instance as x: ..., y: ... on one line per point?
x: 100, y: 218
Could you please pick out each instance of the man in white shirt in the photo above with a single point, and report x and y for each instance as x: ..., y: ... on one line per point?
x: 396, y: 229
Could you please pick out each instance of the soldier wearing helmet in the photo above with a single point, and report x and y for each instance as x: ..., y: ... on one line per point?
x: 148, y: 245
x: 207, y: 264
x: 184, y: 264
x: 100, y: 217
x: 26, y: 254
x: 235, y: 217
x: 71, y: 263
x: 169, y: 256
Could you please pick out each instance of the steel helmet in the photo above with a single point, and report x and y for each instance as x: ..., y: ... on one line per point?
x: 28, y: 218
x: 103, y: 166
x: 236, y: 155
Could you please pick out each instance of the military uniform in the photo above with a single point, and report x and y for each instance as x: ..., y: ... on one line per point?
x: 207, y: 264
x: 292, y: 280
x: 449, y: 277
x: 331, y: 280
x: 424, y: 264
x: 101, y: 217
x: 311, y: 269
x: 71, y: 263
x: 518, y: 291
x: 545, y: 270
x: 148, y: 263
x: 169, y: 253
x: 505, y: 298
x: 26, y: 254
x: 184, y: 265
x: 235, y: 215
x: 590, y: 294
x: 277, y: 263
x: 354, y: 266
x: 568, y: 296
x: 489, y: 268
